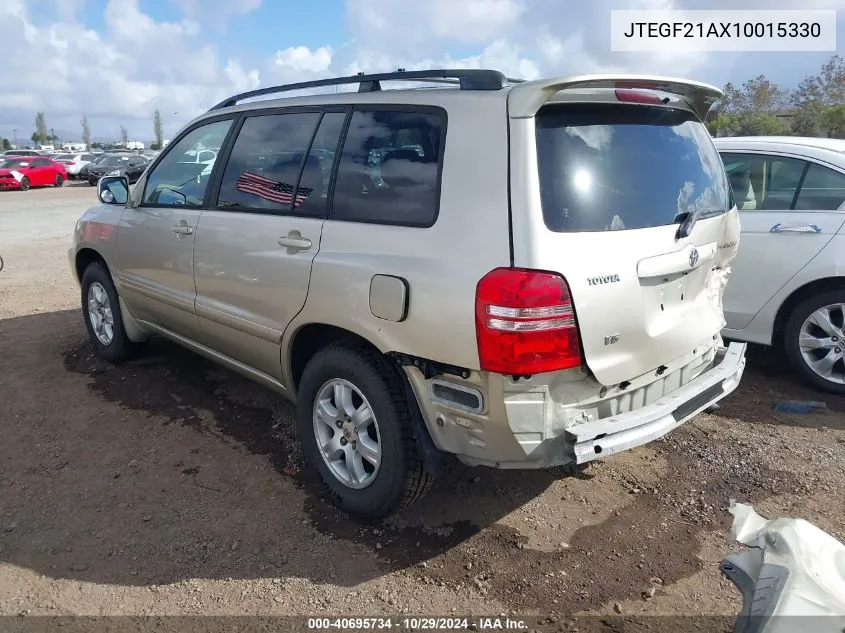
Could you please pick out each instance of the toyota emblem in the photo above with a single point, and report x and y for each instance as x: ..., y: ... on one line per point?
x: 693, y: 257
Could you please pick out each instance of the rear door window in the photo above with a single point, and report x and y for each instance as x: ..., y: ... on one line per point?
x: 763, y: 182
x: 266, y: 161
x: 609, y: 167
x: 822, y: 190
x: 389, y: 170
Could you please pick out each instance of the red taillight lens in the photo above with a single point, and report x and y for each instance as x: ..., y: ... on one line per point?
x: 68, y: 162
x: 525, y: 323
x: 637, y: 96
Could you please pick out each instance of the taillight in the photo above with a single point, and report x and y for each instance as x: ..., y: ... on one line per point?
x: 637, y: 96
x: 68, y: 162
x: 525, y: 323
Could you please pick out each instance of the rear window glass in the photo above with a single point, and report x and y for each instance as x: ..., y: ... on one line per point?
x: 609, y: 167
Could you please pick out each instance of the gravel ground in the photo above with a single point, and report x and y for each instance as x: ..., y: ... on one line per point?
x: 170, y: 486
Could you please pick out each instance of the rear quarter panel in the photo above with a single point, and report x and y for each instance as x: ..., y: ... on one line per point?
x: 441, y: 264
x: 828, y: 264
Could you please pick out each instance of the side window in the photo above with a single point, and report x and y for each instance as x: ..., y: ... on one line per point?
x: 40, y: 162
x: 177, y: 180
x: 87, y: 157
x: 763, y: 183
x: 313, y: 189
x: 822, y: 190
x: 264, y: 166
x: 389, y: 168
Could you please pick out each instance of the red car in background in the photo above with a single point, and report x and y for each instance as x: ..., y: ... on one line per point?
x: 23, y: 172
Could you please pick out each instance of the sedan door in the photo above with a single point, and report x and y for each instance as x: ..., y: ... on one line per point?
x: 255, y: 247
x: 155, y: 242
x: 39, y: 172
x: 790, y: 208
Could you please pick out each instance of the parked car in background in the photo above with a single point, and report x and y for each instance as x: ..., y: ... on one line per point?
x: 73, y: 162
x: 129, y: 165
x: 23, y: 172
x: 23, y: 152
x: 787, y: 288
x: 545, y: 292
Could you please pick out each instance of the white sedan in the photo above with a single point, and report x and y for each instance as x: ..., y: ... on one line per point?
x: 73, y: 162
x: 787, y: 287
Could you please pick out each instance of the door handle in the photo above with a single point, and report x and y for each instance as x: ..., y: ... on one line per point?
x: 804, y: 228
x: 182, y: 229
x: 294, y: 241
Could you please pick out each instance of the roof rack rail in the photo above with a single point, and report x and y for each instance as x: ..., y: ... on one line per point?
x: 467, y: 79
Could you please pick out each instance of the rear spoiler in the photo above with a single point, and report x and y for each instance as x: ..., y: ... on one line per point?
x: 526, y: 98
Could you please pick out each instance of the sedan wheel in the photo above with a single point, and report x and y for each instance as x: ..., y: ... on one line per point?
x: 814, y: 339
x: 24, y: 184
x: 59, y: 180
x: 821, y: 342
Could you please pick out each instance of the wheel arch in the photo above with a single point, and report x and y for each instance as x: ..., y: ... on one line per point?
x: 798, y: 295
x: 84, y: 258
x: 310, y: 338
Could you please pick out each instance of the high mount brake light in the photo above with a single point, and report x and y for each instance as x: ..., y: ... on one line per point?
x: 637, y: 96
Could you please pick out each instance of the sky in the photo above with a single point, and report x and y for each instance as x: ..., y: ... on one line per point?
x: 116, y: 61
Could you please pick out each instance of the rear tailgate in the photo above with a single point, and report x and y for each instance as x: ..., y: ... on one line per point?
x: 598, y: 190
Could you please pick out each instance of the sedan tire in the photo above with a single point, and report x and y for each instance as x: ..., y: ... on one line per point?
x: 814, y: 340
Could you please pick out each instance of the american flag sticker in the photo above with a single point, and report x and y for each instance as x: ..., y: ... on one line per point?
x: 272, y: 190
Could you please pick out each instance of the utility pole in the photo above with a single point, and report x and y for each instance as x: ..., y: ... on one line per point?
x: 15, y: 137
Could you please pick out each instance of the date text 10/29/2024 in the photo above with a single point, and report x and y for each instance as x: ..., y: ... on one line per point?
x: 416, y: 624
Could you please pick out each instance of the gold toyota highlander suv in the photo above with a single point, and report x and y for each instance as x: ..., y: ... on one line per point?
x: 523, y: 274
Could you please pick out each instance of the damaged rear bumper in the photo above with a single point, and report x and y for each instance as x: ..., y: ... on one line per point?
x: 593, y: 440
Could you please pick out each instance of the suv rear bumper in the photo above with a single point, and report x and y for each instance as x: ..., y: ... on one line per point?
x: 493, y: 438
x: 605, y: 437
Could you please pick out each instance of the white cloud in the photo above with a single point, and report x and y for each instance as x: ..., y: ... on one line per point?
x: 116, y: 77
x: 119, y: 75
x: 407, y: 24
x: 301, y: 59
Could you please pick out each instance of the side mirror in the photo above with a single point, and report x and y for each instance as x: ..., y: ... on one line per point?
x: 113, y: 190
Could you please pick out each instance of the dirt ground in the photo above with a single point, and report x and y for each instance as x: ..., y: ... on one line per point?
x: 170, y: 486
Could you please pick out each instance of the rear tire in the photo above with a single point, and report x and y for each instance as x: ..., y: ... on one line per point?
x: 59, y: 180
x: 101, y: 313
x: 814, y: 340
x: 399, y: 478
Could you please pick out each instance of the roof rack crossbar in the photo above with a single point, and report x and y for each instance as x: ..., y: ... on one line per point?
x: 467, y: 79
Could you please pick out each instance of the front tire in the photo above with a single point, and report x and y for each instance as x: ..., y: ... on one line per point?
x: 814, y: 340
x: 24, y: 184
x: 101, y: 312
x: 354, y: 423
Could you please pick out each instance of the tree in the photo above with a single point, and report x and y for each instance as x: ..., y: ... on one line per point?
x: 40, y: 135
x: 833, y: 121
x: 5, y: 144
x: 815, y: 95
x: 758, y: 95
x: 86, y: 132
x: 749, y: 110
x: 158, y: 128
x: 95, y: 145
x: 124, y: 135
x: 155, y: 146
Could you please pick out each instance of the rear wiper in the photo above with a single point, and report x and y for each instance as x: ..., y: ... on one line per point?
x: 687, y: 220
